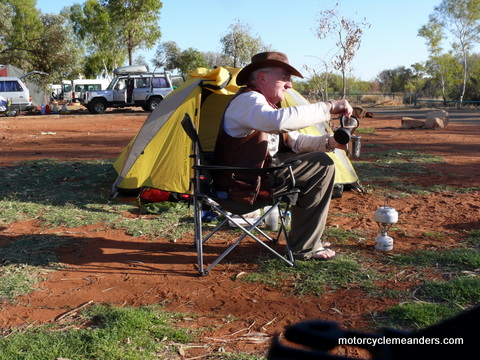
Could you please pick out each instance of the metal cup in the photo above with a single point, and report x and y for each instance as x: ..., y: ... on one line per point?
x: 354, y: 147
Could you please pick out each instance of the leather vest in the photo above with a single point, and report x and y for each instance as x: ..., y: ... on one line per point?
x: 250, y: 152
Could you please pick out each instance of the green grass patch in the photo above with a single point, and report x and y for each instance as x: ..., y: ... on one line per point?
x: 50, y: 182
x: 460, y: 291
x: 388, y: 164
x: 371, y: 146
x: 438, y: 300
x: 395, y: 156
x: 417, y: 315
x: 57, y: 193
x: 313, y: 277
x: 473, y: 238
x: 452, y: 260
x: 433, y: 235
x: 18, y: 279
x: 365, y: 130
x: 25, y: 261
x: 339, y: 236
x: 72, y: 194
x: 106, y: 333
x: 172, y: 221
x: 36, y: 249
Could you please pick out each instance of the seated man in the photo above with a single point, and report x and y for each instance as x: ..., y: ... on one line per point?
x: 256, y: 133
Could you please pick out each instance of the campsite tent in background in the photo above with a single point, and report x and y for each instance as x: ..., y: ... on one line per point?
x: 159, y: 155
x: 39, y: 97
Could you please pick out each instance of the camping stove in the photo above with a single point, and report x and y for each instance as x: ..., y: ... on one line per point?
x: 385, y: 217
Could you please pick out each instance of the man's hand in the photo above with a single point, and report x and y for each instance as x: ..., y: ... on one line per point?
x: 332, y: 144
x: 341, y: 107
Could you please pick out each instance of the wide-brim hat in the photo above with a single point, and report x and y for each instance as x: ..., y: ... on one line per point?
x: 263, y: 60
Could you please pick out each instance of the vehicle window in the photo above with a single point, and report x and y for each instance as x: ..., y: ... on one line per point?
x: 67, y: 87
x: 121, y: 84
x: 10, y: 86
x: 160, y: 82
x: 112, y: 84
x: 88, y: 87
x: 142, y: 83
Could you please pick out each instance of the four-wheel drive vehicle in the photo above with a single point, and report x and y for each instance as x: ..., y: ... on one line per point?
x: 14, y: 88
x: 132, y: 86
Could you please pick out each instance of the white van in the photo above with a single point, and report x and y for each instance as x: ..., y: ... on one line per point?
x: 14, y: 88
x: 72, y: 89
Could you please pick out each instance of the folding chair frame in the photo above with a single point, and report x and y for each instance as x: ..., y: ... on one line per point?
x: 247, y: 231
x: 204, y: 197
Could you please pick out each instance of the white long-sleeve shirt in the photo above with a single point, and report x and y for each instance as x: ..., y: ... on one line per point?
x: 251, y: 111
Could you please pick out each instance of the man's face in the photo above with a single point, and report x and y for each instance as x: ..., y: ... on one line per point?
x: 276, y: 82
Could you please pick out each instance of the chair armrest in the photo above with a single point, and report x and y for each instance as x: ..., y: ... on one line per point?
x: 259, y: 171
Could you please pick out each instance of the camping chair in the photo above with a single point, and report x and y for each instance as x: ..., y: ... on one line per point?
x: 206, y: 197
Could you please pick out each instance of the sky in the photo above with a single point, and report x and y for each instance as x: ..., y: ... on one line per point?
x: 289, y: 26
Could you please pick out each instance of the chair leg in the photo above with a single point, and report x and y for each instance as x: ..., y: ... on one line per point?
x: 197, y: 219
x: 284, y: 231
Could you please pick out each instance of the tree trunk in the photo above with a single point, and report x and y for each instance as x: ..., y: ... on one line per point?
x: 464, y: 85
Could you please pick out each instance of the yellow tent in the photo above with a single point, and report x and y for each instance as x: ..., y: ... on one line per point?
x: 159, y: 155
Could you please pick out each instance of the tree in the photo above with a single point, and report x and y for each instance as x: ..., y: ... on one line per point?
x: 55, y: 52
x: 22, y: 26
x: 215, y: 59
x: 92, y: 26
x: 396, y: 80
x: 137, y: 22
x: 111, y: 30
x: 473, y: 84
x: 140, y: 60
x: 31, y: 41
x: 433, y: 34
x: 167, y: 56
x: 6, y: 26
x: 189, y: 60
x: 446, y: 70
x: 170, y: 57
x: 239, y: 45
x: 347, y: 35
x: 319, y: 81
x: 462, y: 20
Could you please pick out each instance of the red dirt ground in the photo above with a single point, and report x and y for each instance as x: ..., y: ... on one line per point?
x: 110, y: 266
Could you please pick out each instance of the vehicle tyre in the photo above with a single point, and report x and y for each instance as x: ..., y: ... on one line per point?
x: 98, y: 106
x: 152, y: 103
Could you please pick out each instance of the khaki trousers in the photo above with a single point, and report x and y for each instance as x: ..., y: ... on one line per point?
x: 315, y: 179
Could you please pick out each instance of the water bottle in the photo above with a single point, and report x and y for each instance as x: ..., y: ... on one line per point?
x: 288, y: 219
x: 271, y: 220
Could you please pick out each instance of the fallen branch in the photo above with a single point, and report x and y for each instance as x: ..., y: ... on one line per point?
x: 69, y: 312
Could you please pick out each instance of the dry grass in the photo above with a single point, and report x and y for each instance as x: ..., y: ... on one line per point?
x: 382, y: 100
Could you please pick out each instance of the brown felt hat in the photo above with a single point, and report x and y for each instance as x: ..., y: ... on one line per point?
x: 266, y: 59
